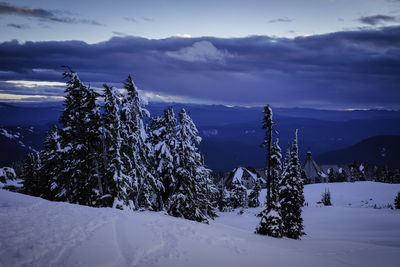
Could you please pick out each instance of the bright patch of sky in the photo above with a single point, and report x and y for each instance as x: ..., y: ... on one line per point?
x: 94, y: 21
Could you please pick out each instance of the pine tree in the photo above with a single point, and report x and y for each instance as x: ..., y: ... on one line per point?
x: 165, y: 155
x: 30, y: 175
x: 135, y: 150
x: 397, y: 201
x: 291, y: 196
x: 268, y: 124
x: 190, y: 197
x: 254, y: 195
x: 222, y: 198
x: 79, y: 180
x: 116, y: 181
x: 271, y: 220
x: 326, y: 198
x: 51, y: 164
x: 238, y: 194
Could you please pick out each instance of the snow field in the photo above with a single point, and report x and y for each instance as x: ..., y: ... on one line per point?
x: 36, y: 232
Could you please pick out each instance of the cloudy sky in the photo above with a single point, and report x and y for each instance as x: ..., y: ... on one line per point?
x: 335, y: 54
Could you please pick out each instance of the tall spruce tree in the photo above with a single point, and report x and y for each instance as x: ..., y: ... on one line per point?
x: 51, y: 163
x: 271, y: 219
x: 255, y: 194
x: 191, y: 195
x: 267, y: 125
x: 31, y: 174
x: 238, y: 194
x: 291, y: 197
x: 163, y: 138
x: 116, y: 181
x: 79, y: 180
x: 135, y: 150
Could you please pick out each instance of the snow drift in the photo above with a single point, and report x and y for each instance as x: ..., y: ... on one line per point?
x: 36, y: 232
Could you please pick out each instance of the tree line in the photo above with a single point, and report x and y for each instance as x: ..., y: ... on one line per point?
x: 119, y: 156
x: 112, y: 158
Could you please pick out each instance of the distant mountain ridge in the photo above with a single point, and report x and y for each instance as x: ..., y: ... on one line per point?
x: 380, y: 150
x: 231, y: 135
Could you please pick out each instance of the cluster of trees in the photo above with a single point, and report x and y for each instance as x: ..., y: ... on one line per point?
x: 364, y: 172
x: 121, y: 157
x: 282, y: 213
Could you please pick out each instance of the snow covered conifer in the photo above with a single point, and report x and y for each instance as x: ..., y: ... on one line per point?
x: 397, y: 201
x: 222, y: 198
x: 271, y: 220
x: 326, y: 198
x: 135, y: 150
x: 238, y: 194
x: 30, y: 174
x: 296, y: 169
x: 268, y: 124
x: 51, y: 163
x: 291, y: 196
x: 191, y: 195
x: 116, y: 182
x: 79, y: 180
x: 254, y: 195
x: 165, y: 155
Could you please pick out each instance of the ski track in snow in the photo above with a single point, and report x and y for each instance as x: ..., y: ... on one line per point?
x: 36, y: 232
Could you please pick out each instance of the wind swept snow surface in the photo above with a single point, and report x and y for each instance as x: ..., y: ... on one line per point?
x: 36, y: 232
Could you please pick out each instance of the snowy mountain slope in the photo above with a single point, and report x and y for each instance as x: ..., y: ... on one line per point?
x: 36, y: 232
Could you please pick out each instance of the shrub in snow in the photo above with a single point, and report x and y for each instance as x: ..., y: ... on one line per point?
x: 7, y: 173
x: 397, y: 201
x: 254, y: 195
x: 326, y: 198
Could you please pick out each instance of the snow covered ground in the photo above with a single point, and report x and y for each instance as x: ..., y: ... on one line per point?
x: 36, y: 232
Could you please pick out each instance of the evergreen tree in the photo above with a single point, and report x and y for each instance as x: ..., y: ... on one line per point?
x: 254, y: 195
x: 271, y: 220
x: 163, y: 138
x: 79, y: 180
x: 397, y: 201
x: 291, y: 196
x: 51, y: 164
x: 268, y: 124
x: 116, y: 181
x: 238, y: 194
x: 30, y: 175
x: 135, y: 150
x: 326, y: 198
x: 222, y: 198
x: 190, y: 197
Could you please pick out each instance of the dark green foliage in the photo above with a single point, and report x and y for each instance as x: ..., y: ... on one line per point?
x: 115, y: 180
x: 79, y: 180
x: 51, y: 164
x: 326, y: 198
x: 222, y: 198
x: 267, y: 124
x: 397, y: 201
x: 238, y: 195
x: 193, y: 189
x: 31, y: 176
x: 271, y: 222
x: 254, y: 195
x: 291, y: 196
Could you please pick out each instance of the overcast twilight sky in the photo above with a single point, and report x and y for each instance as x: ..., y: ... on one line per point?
x: 331, y: 54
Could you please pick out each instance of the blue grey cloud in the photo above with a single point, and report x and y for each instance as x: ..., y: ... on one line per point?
x: 377, y: 19
x: 341, y: 69
x: 42, y: 14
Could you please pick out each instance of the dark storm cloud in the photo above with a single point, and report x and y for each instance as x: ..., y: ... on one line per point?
x: 342, y: 69
x: 43, y: 14
x: 17, y: 26
x: 280, y: 20
x: 377, y: 19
